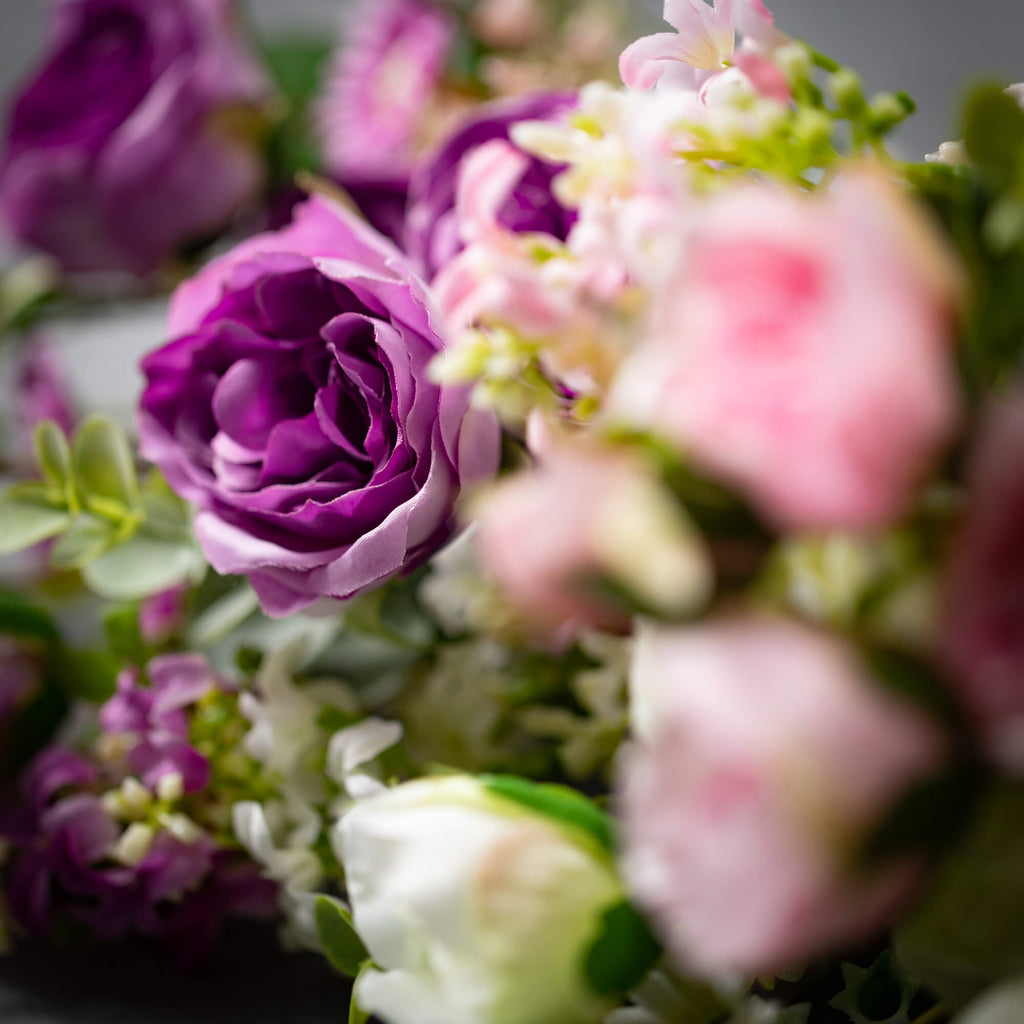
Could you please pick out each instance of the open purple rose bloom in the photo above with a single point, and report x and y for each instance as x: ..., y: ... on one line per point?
x: 432, y: 231
x: 295, y: 409
x: 118, y: 150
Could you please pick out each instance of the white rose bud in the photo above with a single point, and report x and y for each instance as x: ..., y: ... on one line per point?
x: 478, y: 909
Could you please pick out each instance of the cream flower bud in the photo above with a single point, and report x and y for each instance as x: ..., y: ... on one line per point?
x: 475, y: 908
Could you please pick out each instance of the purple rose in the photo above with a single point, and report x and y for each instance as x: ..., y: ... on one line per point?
x: 295, y: 408
x: 982, y: 634
x: 432, y: 234
x: 118, y: 149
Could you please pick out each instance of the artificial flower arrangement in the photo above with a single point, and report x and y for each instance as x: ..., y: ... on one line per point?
x: 567, y: 565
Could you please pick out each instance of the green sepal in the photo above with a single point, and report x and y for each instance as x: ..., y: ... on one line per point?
x: 564, y: 805
x: 623, y: 953
x: 879, y: 994
x: 342, y: 947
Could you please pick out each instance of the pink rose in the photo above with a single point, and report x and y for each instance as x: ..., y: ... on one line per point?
x: 983, y: 629
x: 551, y: 535
x: 766, y: 758
x: 802, y: 351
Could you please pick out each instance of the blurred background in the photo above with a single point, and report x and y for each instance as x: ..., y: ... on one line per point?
x: 932, y: 49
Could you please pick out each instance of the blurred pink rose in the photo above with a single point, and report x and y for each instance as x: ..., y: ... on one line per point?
x: 551, y: 535
x: 803, y: 351
x: 983, y: 630
x: 766, y: 757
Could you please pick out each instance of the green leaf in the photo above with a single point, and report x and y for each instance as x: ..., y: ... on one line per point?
x: 84, y: 541
x: 994, y: 131
x: 625, y: 950
x: 142, y: 566
x: 968, y: 932
x: 25, y: 523
x: 22, y: 618
x: 104, y: 469
x: 930, y: 816
x: 166, y: 515
x: 53, y: 455
x: 121, y: 625
x: 561, y: 803
x: 86, y: 675
x: 342, y: 946
x: 220, y: 619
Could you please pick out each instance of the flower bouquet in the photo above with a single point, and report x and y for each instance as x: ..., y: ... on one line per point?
x: 565, y: 563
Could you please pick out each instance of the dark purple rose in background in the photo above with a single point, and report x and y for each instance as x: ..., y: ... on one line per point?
x: 295, y: 409
x: 125, y: 144
x: 432, y: 234
x: 983, y: 624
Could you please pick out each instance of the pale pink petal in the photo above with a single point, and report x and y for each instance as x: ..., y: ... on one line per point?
x: 642, y: 63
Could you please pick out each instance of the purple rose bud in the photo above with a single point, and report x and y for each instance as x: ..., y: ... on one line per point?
x: 432, y: 234
x: 295, y: 408
x: 120, y: 148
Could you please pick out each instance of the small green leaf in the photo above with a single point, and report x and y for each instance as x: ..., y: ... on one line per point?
x: 84, y: 541
x: 121, y: 625
x: 220, y: 619
x: 342, y: 946
x: 142, y: 566
x: 53, y: 455
x: 565, y: 805
x: 24, y: 523
x: 166, y: 514
x: 994, y: 131
x: 22, y: 618
x: 86, y: 675
x: 104, y: 469
x: 625, y: 950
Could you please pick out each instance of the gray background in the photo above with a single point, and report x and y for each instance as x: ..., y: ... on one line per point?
x: 930, y: 48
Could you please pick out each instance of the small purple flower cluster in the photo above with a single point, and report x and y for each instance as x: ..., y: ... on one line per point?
x: 123, y: 838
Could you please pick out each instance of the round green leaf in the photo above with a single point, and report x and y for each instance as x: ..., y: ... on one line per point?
x: 24, y: 524
x: 104, y: 468
x: 143, y: 566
